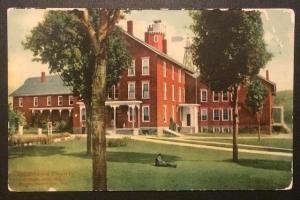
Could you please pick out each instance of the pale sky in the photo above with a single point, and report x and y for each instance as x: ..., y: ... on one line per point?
x: 278, y: 33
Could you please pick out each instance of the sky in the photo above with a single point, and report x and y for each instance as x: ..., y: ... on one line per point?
x: 278, y: 27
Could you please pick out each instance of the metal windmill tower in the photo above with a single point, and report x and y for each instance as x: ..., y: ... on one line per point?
x: 188, y: 57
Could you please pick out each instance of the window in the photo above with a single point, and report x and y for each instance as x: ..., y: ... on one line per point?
x: 131, y: 69
x: 165, y: 69
x: 165, y: 91
x: 110, y: 93
x: 145, y: 66
x: 165, y: 113
x: 225, y: 96
x: 131, y: 90
x: 216, y: 114
x: 179, y: 75
x: 35, y: 101
x: 172, y: 72
x: 173, y: 93
x: 71, y: 100
x: 20, y: 101
x: 155, y: 39
x: 216, y: 96
x: 146, y: 114
x: 145, y: 90
x: 173, y: 112
x: 225, y: 114
x: 183, y: 96
x: 116, y: 91
x: 48, y: 100
x: 59, y: 100
x: 179, y: 94
x: 83, y: 114
x: 203, y: 95
x: 204, y: 114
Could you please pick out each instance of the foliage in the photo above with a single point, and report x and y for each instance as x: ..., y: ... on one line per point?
x: 172, y: 125
x: 255, y: 96
x: 15, y: 118
x: 62, y: 42
x: 17, y: 140
x: 63, y: 126
x: 228, y: 47
x: 285, y: 98
x: 118, y: 142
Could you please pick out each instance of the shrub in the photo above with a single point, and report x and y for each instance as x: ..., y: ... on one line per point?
x: 172, y: 125
x: 63, y: 126
x: 15, y: 118
x: 118, y: 142
x: 17, y: 140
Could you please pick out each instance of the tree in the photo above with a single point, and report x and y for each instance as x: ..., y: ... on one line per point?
x: 87, y: 50
x: 15, y: 118
x: 255, y: 100
x: 229, y: 49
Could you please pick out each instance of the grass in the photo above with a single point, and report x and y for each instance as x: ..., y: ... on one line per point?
x: 65, y: 166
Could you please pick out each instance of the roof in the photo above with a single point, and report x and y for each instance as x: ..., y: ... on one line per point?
x: 53, y: 85
x: 155, y: 50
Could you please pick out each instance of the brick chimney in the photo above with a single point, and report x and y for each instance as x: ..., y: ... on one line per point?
x: 43, y: 77
x: 267, y: 74
x: 165, y: 46
x: 130, y: 27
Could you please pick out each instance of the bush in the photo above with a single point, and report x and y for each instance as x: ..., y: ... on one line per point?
x: 15, y: 118
x: 18, y: 140
x: 63, y: 126
x: 172, y: 125
x: 118, y: 142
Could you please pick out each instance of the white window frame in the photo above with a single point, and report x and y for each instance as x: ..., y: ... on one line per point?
x: 165, y: 113
x: 214, y: 114
x: 227, y: 114
x: 49, y: 99
x: 201, y: 96
x: 71, y: 97
x: 164, y: 69
x: 20, y: 101
x: 148, y: 83
x: 62, y: 100
x: 173, y: 72
x: 35, y: 101
x: 128, y: 84
x: 179, y: 94
x: 143, y: 107
x: 133, y: 66
x: 165, y: 90
x: 147, y: 59
x: 213, y: 97
x: 227, y: 96
x: 202, y: 114
x: 179, y: 75
x: 173, y: 92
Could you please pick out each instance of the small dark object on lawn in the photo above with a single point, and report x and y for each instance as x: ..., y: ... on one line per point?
x: 159, y: 162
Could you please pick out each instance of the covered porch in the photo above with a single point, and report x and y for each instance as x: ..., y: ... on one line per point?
x: 189, y: 117
x: 125, y: 117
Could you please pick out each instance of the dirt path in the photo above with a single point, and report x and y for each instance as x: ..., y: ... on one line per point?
x: 178, y: 143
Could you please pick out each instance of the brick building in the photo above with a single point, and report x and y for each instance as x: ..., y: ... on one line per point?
x: 153, y: 90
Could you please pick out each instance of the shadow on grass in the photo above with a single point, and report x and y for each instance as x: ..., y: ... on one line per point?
x: 31, y: 151
x: 281, y: 165
x: 128, y: 157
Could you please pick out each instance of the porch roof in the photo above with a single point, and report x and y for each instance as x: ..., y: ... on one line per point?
x: 123, y: 103
x: 188, y: 105
x: 51, y: 108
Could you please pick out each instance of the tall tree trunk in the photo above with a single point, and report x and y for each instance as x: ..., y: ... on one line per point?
x: 89, y: 128
x: 98, y: 125
x: 258, y: 125
x: 235, y: 125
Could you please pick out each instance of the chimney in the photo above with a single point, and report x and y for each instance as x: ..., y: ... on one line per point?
x: 43, y: 77
x: 165, y: 46
x: 267, y: 74
x: 130, y: 27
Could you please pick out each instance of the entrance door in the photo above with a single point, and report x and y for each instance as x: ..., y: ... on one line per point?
x: 188, y: 119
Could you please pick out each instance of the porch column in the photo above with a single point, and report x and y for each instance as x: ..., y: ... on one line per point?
x: 196, y: 119
x: 139, y: 118
x: 282, y: 115
x: 114, y: 128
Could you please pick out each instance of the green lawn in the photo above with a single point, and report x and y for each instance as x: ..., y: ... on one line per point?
x: 65, y: 166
